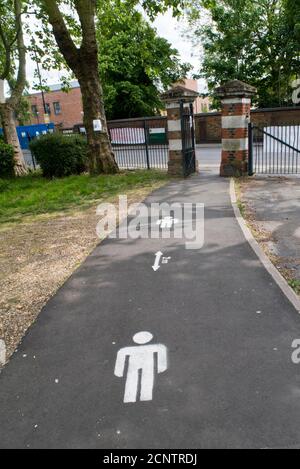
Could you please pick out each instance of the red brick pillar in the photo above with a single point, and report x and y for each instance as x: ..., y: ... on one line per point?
x: 173, y: 99
x: 236, y: 104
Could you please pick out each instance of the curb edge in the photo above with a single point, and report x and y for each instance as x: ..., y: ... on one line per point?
x: 275, y: 274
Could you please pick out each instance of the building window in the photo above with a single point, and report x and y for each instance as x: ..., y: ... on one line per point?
x: 57, y: 108
x: 34, y: 110
x: 48, y: 108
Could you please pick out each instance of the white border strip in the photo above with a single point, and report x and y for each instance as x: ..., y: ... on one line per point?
x: 175, y: 145
x: 235, y: 144
x: 234, y: 122
x: 174, y: 126
x: 236, y: 100
x: 277, y: 277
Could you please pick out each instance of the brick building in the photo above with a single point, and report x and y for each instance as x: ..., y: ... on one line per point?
x: 64, y: 109
x: 200, y: 104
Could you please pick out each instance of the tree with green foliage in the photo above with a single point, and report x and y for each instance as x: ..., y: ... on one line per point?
x: 292, y: 13
x: 135, y: 63
x: 13, y: 70
x: 73, y: 24
x: 23, y: 112
x: 73, y: 27
x: 249, y: 40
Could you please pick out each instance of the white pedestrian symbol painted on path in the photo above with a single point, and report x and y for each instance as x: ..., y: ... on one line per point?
x: 167, y: 222
x: 142, y: 360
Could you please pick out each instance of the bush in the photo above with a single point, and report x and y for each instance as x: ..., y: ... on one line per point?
x: 60, y: 155
x: 6, y: 160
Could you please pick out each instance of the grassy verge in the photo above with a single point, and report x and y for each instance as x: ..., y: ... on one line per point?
x: 48, y: 229
x: 33, y: 195
x: 295, y: 285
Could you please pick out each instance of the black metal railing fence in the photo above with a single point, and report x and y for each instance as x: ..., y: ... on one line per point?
x: 274, y: 149
x: 140, y: 143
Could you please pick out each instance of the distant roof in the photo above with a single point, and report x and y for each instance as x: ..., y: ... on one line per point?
x: 58, y: 87
x: 72, y: 84
x: 179, y: 91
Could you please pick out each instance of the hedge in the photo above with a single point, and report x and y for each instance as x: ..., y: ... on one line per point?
x: 60, y: 155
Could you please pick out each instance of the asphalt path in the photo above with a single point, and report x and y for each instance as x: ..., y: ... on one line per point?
x: 220, y: 354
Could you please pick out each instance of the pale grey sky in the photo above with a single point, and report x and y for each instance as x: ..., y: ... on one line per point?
x: 171, y: 29
x: 167, y: 27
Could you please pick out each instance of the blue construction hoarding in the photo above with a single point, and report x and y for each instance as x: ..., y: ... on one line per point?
x: 28, y: 132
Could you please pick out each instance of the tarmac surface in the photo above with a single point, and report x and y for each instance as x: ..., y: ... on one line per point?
x: 220, y: 354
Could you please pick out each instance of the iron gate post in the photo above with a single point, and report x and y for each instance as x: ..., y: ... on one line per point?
x: 193, y: 135
x: 146, y: 145
x: 177, y: 99
x: 250, y: 158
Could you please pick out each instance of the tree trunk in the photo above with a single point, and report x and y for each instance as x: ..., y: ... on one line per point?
x: 8, y: 106
x: 83, y: 62
x: 100, y: 154
x: 11, y: 137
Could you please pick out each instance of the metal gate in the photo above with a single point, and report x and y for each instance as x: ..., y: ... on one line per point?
x: 274, y: 149
x: 140, y: 143
x: 188, y: 138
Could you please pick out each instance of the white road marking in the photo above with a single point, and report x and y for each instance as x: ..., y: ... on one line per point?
x: 141, y: 364
x: 165, y: 260
x: 158, y: 257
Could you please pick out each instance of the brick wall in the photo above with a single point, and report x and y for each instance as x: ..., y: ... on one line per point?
x: 208, y: 126
x: 70, y: 103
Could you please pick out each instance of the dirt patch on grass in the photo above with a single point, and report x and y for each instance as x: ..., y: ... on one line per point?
x: 36, y: 258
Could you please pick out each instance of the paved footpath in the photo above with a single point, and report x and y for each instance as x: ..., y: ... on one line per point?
x: 230, y: 381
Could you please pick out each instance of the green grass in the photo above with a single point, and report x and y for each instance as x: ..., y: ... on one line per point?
x: 242, y: 208
x: 295, y: 284
x: 34, y: 195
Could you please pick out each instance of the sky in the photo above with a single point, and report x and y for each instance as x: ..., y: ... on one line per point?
x: 171, y: 29
x: 166, y: 26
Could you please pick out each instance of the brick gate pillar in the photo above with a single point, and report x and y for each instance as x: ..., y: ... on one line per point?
x: 173, y: 99
x: 236, y: 104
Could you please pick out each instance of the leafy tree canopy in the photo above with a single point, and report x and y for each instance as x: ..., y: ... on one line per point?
x: 135, y: 63
x: 292, y: 11
x: 248, y: 40
x: 8, y: 40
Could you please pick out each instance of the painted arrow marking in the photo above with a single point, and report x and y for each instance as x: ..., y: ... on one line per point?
x: 158, y: 257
